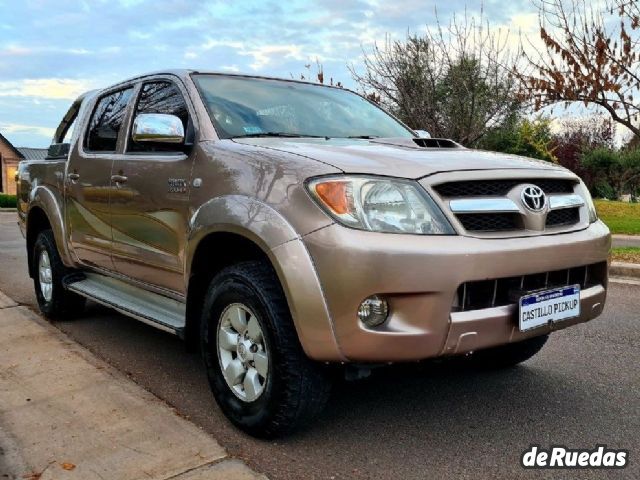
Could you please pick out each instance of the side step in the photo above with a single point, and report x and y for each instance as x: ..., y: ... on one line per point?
x: 148, y: 307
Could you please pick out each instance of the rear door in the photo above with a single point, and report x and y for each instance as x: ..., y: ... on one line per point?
x: 88, y: 179
x: 150, y: 211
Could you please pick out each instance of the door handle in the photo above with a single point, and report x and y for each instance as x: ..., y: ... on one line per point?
x: 118, y: 179
x: 74, y: 177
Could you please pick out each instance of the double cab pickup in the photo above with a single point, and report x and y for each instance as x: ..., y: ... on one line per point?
x: 288, y: 230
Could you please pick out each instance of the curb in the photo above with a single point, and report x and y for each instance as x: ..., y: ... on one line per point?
x: 624, y: 236
x: 64, y: 413
x: 619, y: 240
x: 623, y: 269
x: 5, y: 209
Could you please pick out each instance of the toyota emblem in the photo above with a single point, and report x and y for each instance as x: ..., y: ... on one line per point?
x: 533, y: 198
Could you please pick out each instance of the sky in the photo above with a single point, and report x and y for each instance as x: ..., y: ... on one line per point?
x: 52, y: 51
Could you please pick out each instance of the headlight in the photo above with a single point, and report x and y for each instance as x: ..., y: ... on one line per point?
x: 380, y: 205
x: 593, y: 214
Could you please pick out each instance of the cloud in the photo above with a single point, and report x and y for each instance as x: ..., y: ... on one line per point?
x: 14, y: 128
x: 15, y: 51
x: 525, y: 22
x: 46, y: 88
x: 264, y: 55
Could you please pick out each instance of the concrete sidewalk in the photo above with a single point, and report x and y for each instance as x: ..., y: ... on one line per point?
x: 64, y: 414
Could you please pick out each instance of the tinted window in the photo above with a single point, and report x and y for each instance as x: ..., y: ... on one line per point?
x: 106, y: 121
x: 160, y: 97
x: 241, y: 107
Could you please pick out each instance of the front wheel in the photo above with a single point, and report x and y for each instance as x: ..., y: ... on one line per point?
x: 258, y: 372
x: 510, y: 354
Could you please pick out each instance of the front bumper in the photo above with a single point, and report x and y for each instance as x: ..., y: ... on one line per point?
x: 419, y: 276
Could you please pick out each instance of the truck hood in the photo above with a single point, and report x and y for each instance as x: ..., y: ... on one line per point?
x: 395, y: 157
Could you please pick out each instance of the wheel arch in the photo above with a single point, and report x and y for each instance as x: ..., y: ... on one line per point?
x: 246, y: 229
x: 45, y: 212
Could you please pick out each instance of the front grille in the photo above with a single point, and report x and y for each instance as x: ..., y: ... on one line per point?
x: 499, y: 188
x: 476, y: 200
x: 490, y: 222
x: 564, y: 216
x: 505, y: 291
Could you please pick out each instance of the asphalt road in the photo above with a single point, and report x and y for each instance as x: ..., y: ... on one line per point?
x: 417, y: 422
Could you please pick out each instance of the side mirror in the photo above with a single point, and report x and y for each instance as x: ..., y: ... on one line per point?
x: 422, y: 134
x: 158, y: 128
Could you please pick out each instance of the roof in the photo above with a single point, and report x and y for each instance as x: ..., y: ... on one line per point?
x: 10, y: 145
x: 186, y: 72
x: 33, y: 153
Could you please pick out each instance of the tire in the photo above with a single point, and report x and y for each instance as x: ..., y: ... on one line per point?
x: 508, y: 355
x: 54, y: 301
x: 294, y: 389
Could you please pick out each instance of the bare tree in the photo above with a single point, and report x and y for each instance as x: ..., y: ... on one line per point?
x: 317, y: 75
x: 451, y: 81
x: 591, y: 55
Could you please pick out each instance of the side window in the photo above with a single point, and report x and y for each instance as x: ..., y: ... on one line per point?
x: 61, y: 143
x: 160, y: 97
x: 69, y: 133
x: 106, y: 121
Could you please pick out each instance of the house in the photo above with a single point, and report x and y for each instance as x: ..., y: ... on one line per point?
x: 9, y: 158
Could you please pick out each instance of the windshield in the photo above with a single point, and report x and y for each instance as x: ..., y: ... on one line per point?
x: 248, y: 107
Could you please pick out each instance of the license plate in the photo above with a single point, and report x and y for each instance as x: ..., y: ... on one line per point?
x: 554, y: 305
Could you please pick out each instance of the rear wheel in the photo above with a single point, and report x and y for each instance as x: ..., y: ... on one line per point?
x: 54, y: 301
x: 258, y: 372
x: 510, y: 354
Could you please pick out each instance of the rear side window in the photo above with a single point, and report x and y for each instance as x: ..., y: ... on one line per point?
x: 160, y: 97
x: 106, y: 121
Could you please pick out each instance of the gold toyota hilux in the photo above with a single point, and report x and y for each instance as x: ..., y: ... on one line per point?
x: 281, y: 227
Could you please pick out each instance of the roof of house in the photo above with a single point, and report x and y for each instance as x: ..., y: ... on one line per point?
x: 29, y: 153
x: 11, y: 147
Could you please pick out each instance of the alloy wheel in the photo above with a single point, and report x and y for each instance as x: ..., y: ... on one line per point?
x: 242, y: 352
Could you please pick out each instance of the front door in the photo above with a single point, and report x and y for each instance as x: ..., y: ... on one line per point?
x: 88, y: 180
x: 150, y: 204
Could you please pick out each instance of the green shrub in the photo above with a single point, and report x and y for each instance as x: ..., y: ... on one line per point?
x: 7, y: 201
x: 602, y: 189
x: 521, y: 136
x: 618, y: 169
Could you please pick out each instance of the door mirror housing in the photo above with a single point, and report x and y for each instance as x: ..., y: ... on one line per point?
x: 158, y: 128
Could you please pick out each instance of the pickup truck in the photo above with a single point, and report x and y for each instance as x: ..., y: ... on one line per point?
x: 289, y: 230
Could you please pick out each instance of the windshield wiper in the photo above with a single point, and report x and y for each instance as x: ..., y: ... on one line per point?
x: 279, y: 134
x: 364, y: 137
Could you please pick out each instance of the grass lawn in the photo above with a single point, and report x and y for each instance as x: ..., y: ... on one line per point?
x: 626, y: 254
x: 620, y: 217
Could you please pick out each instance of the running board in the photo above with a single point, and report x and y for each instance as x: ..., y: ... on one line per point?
x: 148, y: 307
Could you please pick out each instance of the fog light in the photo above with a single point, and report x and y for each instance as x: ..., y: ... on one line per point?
x: 373, y: 311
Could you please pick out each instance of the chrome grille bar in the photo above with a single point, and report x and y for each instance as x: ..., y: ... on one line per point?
x: 565, y: 201
x: 483, y: 205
